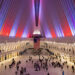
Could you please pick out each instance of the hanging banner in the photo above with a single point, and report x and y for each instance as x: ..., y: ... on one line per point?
x: 36, y: 43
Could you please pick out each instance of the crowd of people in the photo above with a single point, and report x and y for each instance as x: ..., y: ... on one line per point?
x: 38, y: 65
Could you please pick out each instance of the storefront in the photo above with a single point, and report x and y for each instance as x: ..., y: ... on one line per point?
x: 8, y: 56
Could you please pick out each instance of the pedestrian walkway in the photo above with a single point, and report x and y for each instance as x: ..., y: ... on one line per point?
x: 30, y: 68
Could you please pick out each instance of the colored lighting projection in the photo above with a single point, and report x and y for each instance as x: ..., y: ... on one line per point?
x: 1, y: 3
x: 55, y: 22
x: 63, y: 20
x: 15, y: 25
x: 27, y: 10
x: 45, y: 28
x: 68, y: 16
x: 26, y: 30
x: 37, y: 5
x: 11, y: 15
x: 59, y: 16
x: 55, y: 17
x: 4, y: 5
x: 15, y: 18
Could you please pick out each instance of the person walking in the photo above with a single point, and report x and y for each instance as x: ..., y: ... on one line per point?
x: 63, y: 73
x: 48, y: 74
x: 5, y: 67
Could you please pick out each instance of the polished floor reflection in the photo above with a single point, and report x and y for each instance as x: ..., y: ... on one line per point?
x: 29, y: 65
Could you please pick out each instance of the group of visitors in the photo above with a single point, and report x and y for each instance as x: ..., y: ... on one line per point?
x: 38, y: 65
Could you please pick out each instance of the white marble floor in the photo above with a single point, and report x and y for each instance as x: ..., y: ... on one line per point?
x: 30, y: 68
